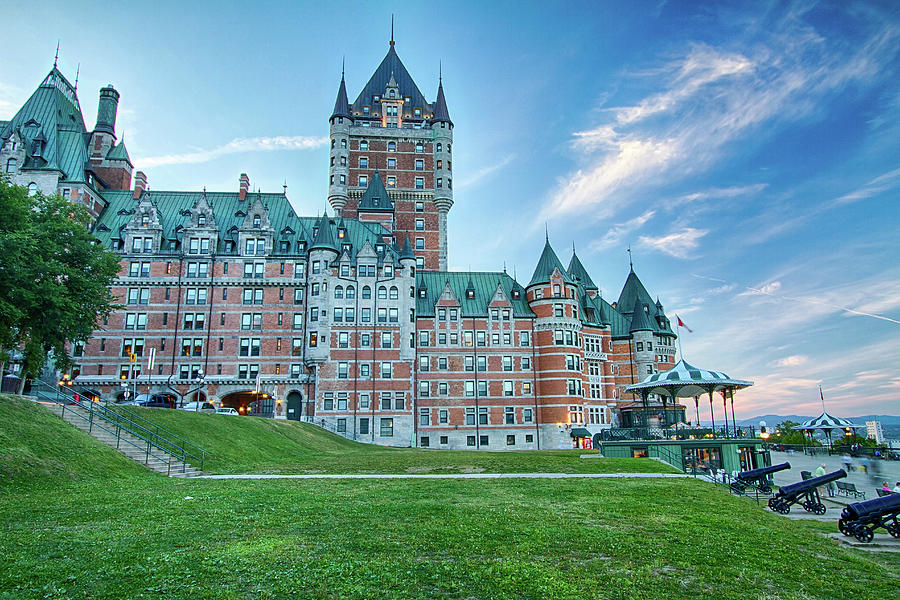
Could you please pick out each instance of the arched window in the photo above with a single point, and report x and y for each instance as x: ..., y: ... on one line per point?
x: 11, y: 165
x: 256, y: 221
x: 392, y: 146
x: 201, y: 221
x: 438, y: 148
x: 32, y: 189
x: 382, y: 293
x: 395, y: 293
x: 393, y: 93
x: 351, y: 292
x: 338, y: 291
x: 366, y: 292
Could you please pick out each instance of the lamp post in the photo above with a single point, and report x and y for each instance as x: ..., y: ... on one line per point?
x: 124, y: 387
x: 199, y: 381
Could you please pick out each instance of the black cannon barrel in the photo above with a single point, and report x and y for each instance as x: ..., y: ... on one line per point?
x: 802, y: 486
x: 762, y: 472
x: 882, y: 505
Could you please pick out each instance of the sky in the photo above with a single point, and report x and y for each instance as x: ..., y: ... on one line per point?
x: 747, y: 153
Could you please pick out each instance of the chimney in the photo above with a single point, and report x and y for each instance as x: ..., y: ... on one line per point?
x: 245, y: 187
x: 140, y: 184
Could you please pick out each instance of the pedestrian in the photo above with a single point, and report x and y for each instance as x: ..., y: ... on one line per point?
x: 885, y: 487
x: 818, y: 473
x: 848, y: 462
x: 896, y: 489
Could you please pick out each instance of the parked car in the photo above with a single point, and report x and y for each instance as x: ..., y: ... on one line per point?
x: 156, y: 401
x: 227, y: 410
x: 204, y: 407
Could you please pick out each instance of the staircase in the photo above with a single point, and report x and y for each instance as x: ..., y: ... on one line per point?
x: 125, y: 430
x: 131, y: 446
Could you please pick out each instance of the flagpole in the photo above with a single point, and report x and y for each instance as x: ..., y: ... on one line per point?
x: 680, y: 351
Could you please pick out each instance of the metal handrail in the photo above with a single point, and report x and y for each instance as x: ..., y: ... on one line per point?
x: 122, y: 424
x: 136, y: 417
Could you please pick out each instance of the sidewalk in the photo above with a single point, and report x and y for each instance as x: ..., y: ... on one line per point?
x: 884, y: 471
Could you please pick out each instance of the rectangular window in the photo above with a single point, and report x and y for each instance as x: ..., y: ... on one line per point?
x: 442, y: 363
x: 424, y: 363
x: 470, y: 389
x: 524, y: 339
x: 343, y: 370
x: 507, y: 363
x: 420, y: 183
x: 342, y: 425
x: 385, y: 401
x: 387, y: 427
x: 420, y: 165
x: 424, y: 389
x: 420, y: 224
x: 470, y: 440
x: 386, y: 370
x: 424, y: 416
x: 527, y: 415
x: 423, y: 338
x: 507, y: 388
x: 509, y: 415
x: 364, y: 426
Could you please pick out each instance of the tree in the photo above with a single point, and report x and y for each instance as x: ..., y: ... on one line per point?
x: 787, y: 433
x: 54, y: 277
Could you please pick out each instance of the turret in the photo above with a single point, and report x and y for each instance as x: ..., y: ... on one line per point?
x: 442, y: 128
x: 339, y: 168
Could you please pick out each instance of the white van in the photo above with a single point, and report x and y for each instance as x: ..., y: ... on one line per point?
x: 204, y: 407
x: 227, y: 410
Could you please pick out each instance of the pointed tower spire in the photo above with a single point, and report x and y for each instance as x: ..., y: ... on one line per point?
x: 392, y: 29
x: 341, y: 104
x: 441, y: 114
x: 56, y: 58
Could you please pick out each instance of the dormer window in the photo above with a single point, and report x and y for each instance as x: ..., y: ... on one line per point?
x: 417, y: 112
x: 341, y: 233
x: 365, y: 112
x: 515, y: 294
x: 421, y: 292
x: 301, y: 246
x: 393, y: 94
x: 145, y: 221
x: 470, y: 294
x: 201, y: 221
x: 376, y: 201
x: 376, y: 98
x: 257, y: 221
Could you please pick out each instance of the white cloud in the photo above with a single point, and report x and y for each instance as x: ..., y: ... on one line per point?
x: 709, y: 98
x: 792, y: 361
x: 876, y: 186
x: 236, y: 146
x: 484, y: 172
x: 679, y: 244
x: 726, y: 193
x: 617, y: 233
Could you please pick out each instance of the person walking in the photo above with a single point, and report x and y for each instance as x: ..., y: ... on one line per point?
x: 848, y: 463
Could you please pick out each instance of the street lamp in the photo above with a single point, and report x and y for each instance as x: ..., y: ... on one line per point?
x: 199, y: 380
x: 124, y: 387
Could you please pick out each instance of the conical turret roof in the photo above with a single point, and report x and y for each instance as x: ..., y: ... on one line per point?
x: 580, y: 274
x: 341, y: 104
x: 633, y: 291
x: 324, y: 236
x: 639, y: 319
x: 440, y: 107
x: 119, y: 152
x: 546, y: 263
x: 392, y: 66
x: 407, y: 251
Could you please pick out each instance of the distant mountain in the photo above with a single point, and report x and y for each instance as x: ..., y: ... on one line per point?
x: 772, y: 420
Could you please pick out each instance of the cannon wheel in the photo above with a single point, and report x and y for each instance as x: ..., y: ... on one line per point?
x: 894, y: 529
x: 819, y: 509
x: 864, y: 534
x: 772, y: 503
x: 783, y: 509
x: 843, y: 527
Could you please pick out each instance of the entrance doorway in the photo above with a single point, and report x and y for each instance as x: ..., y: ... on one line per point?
x: 294, y: 406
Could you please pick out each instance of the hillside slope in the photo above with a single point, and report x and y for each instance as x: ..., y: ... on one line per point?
x: 37, y: 445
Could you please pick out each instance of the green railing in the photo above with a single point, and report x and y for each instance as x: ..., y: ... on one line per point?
x: 120, y: 420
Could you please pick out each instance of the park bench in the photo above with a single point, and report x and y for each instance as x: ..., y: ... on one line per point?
x: 849, y: 489
x: 805, y: 475
x: 882, y: 493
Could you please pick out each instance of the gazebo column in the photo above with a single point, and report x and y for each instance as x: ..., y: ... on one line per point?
x: 712, y: 415
x: 697, y: 408
x: 663, y: 424
x: 733, y: 421
x: 725, y: 411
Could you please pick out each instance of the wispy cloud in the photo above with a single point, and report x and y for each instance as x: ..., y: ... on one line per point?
x: 617, y: 232
x: 726, y: 193
x: 679, y: 244
x: 876, y: 186
x: 710, y: 98
x: 791, y: 361
x: 484, y: 172
x: 236, y: 146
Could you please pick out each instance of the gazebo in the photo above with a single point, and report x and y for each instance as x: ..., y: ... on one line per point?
x: 687, y: 381
x: 828, y: 424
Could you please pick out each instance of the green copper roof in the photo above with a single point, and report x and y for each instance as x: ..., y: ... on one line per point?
x: 376, y: 197
x: 119, y: 152
x: 229, y: 213
x: 546, y: 263
x: 640, y: 321
x: 483, y: 283
x: 52, y: 111
x: 324, y: 236
x: 632, y: 291
x: 407, y: 251
x: 579, y: 273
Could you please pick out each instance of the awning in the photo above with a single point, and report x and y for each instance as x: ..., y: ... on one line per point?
x: 581, y: 432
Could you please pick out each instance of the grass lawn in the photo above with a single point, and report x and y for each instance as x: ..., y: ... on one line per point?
x: 254, y: 445
x: 79, y: 521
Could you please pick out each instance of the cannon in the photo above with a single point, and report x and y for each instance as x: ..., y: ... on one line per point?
x: 806, y: 492
x: 758, y: 477
x: 860, y: 519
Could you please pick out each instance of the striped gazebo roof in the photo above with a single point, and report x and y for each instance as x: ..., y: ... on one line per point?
x: 826, y: 422
x: 685, y: 380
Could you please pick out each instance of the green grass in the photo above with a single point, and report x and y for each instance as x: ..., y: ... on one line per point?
x: 91, y: 524
x: 254, y: 445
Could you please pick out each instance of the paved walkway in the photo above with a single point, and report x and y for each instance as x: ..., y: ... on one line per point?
x: 884, y: 470
x: 454, y: 476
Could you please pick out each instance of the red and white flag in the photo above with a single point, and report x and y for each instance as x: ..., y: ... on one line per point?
x: 681, y: 324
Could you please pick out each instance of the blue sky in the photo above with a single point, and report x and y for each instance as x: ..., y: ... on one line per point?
x: 747, y: 152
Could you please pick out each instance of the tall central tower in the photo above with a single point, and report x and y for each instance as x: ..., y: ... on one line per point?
x: 393, y: 130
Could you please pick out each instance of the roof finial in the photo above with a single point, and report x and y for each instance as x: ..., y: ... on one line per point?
x: 392, y: 29
x: 573, y: 247
x: 56, y: 58
x: 630, y: 264
x: 440, y: 73
x: 546, y: 232
x: 77, y: 71
x: 285, y: 187
x: 504, y: 266
x: 343, y: 58
x: 822, y: 396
